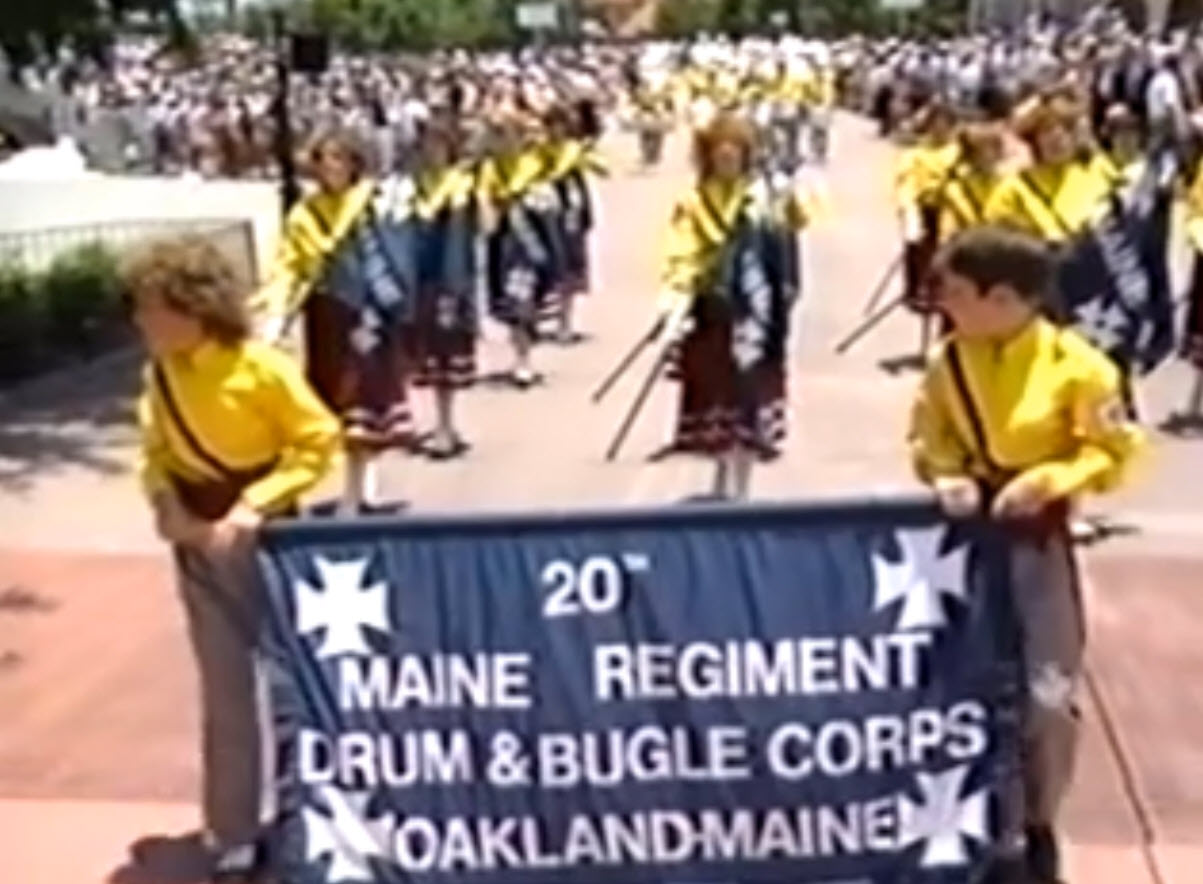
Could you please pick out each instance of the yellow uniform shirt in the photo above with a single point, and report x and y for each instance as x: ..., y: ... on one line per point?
x: 509, y: 177
x: 311, y: 232
x: 1052, y: 202
x: 573, y: 155
x: 965, y: 200
x: 247, y: 406
x: 922, y: 173
x: 445, y: 187
x: 701, y: 223
x: 1048, y: 402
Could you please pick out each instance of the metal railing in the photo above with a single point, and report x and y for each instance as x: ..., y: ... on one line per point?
x: 37, y: 249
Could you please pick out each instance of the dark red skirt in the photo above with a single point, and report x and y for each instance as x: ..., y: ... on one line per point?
x: 366, y: 390
x: 442, y: 346
x: 575, y: 280
x: 919, y: 289
x: 1192, y: 330
x: 718, y: 409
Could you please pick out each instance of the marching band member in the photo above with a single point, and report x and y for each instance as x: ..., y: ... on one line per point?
x: 340, y: 263
x: 443, y: 336
x: 520, y: 260
x: 650, y: 115
x: 924, y: 172
x: 1056, y: 196
x: 1122, y: 157
x: 1015, y: 417
x: 969, y: 190
x: 571, y: 159
x: 232, y: 435
x: 821, y: 99
x: 724, y: 301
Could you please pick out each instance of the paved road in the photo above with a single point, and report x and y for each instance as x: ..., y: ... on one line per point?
x: 99, y: 743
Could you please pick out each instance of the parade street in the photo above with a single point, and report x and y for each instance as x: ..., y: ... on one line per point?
x: 97, y: 709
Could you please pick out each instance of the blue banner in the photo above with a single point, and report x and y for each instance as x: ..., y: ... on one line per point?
x: 1115, y: 277
x: 771, y: 693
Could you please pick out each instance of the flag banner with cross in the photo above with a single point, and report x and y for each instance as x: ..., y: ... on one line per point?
x: 1114, y: 279
x: 767, y: 693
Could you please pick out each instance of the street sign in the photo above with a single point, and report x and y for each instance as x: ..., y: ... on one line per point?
x: 538, y: 16
x: 901, y: 5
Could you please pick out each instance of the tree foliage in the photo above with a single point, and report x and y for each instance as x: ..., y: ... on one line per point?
x: 682, y: 17
x: 414, y: 24
x: 33, y: 27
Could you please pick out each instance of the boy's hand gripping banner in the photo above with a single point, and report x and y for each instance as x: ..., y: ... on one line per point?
x: 819, y: 694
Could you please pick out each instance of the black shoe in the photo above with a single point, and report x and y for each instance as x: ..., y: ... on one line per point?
x: 239, y: 864
x: 1043, y: 855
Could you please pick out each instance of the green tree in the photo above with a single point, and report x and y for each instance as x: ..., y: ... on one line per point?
x: 678, y: 18
x: 31, y: 28
x: 413, y: 24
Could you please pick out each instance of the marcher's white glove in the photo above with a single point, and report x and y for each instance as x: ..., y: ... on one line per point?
x: 912, y: 224
x: 674, y: 317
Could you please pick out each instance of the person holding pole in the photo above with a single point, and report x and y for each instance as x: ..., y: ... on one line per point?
x: 232, y: 435
x: 340, y: 265
x: 1015, y: 417
x: 725, y: 303
x: 922, y: 175
x: 977, y: 175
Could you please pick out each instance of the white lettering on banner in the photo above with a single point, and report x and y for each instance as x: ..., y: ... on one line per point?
x: 397, y: 760
x: 659, y: 837
x: 751, y: 668
x: 647, y: 754
x: 840, y: 748
x: 436, y: 681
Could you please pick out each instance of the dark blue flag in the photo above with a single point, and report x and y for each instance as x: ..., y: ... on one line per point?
x: 1114, y: 279
x: 762, y: 694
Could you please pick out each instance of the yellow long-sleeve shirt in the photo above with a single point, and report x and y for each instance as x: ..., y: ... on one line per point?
x: 1051, y: 202
x: 1048, y: 403
x: 965, y: 199
x: 248, y: 406
x: 449, y: 186
x: 922, y: 172
x: 701, y: 222
x: 506, y: 178
x: 573, y: 155
x: 311, y: 232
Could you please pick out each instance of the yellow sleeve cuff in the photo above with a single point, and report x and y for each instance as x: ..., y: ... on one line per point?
x: 670, y: 299
x: 1092, y: 470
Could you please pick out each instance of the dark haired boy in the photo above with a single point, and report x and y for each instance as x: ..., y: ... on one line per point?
x: 1015, y: 418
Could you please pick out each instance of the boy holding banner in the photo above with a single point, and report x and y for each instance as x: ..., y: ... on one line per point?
x: 232, y: 434
x: 1016, y: 417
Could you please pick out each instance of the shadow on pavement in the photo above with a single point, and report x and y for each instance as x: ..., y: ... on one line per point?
x: 164, y: 859
x: 68, y: 419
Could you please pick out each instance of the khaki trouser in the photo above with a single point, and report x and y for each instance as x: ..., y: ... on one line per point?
x: 1048, y: 606
x: 222, y: 601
